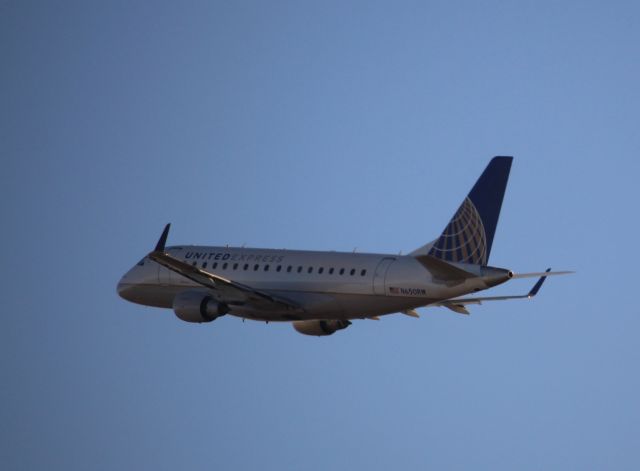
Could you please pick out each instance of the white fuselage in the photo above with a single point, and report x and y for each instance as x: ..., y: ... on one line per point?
x: 327, y: 285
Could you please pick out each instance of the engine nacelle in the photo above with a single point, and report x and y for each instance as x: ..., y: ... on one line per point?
x: 320, y: 327
x: 195, y: 306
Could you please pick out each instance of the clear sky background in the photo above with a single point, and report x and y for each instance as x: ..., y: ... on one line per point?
x: 330, y: 126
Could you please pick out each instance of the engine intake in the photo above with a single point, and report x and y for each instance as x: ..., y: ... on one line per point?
x: 195, y: 306
x: 320, y: 327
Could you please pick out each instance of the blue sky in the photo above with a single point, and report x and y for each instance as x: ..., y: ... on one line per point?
x: 331, y: 126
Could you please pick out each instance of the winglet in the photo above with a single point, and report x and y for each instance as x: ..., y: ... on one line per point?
x: 163, y: 239
x: 538, y: 285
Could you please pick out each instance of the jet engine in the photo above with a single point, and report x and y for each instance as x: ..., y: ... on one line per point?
x: 196, y: 306
x: 320, y: 327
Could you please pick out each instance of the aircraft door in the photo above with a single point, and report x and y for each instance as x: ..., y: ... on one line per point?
x: 380, y: 274
x: 176, y: 279
x: 163, y: 275
x: 148, y: 271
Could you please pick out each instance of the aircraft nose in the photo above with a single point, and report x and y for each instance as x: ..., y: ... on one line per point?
x: 121, y: 287
x: 124, y: 288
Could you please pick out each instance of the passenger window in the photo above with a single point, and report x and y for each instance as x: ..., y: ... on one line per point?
x: 225, y: 265
x: 204, y: 264
x: 235, y: 266
x: 331, y: 271
x: 289, y: 269
x: 194, y: 263
x: 215, y: 265
x: 255, y: 267
x: 342, y: 271
x: 352, y: 272
x: 266, y: 268
x: 246, y: 267
x: 363, y: 272
x: 299, y: 269
x: 310, y: 270
x: 279, y: 268
x: 320, y: 270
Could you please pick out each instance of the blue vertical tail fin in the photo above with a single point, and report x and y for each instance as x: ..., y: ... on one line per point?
x: 469, y: 235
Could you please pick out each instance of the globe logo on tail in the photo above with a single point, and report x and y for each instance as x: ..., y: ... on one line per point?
x: 464, y: 239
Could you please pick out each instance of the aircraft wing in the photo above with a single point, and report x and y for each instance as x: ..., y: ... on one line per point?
x: 458, y: 304
x: 226, y: 290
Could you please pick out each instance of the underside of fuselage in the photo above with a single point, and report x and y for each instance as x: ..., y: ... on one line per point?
x: 313, y: 305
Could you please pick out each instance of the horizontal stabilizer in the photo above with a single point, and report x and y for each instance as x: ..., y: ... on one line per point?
x: 542, y: 273
x: 443, y: 270
x: 458, y: 305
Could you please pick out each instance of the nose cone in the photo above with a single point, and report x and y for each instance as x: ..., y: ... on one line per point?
x: 139, y: 283
x: 122, y: 288
x: 126, y: 285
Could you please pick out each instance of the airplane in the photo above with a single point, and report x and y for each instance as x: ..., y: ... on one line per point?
x: 322, y: 292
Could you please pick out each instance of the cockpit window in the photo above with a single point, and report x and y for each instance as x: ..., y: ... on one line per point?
x: 141, y: 262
